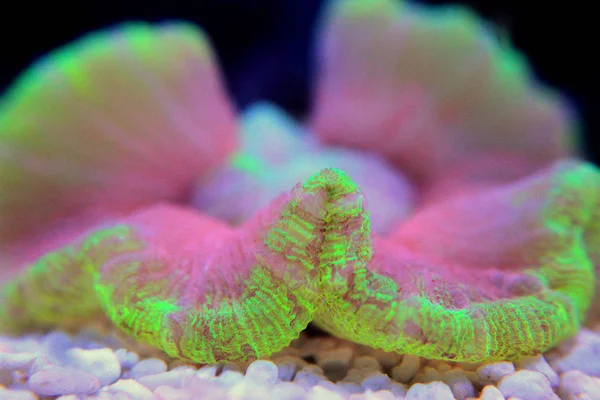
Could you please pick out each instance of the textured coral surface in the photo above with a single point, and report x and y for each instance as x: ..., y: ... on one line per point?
x: 433, y: 205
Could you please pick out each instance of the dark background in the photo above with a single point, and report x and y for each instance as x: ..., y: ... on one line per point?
x: 265, y: 46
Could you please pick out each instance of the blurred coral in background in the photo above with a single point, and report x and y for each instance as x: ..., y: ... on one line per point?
x: 265, y: 46
x: 429, y: 200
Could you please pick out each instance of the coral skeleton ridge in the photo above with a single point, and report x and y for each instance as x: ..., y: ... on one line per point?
x: 433, y: 205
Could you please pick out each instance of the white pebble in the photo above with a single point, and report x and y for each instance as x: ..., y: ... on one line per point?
x: 126, y: 358
x: 398, y: 389
x: 287, y: 391
x: 194, y: 383
x: 130, y: 387
x: 18, y: 395
x: 357, y: 396
x: 169, y: 393
x: 149, y: 366
x: 309, y: 376
x: 350, y: 387
x: 494, y: 372
x: 583, y: 356
x: 13, y: 361
x: 57, y: 381
x: 209, y: 371
x: 230, y: 378
x: 369, y: 395
x: 577, y: 385
x: 108, y: 396
x: 460, y: 385
x: 43, y: 362
x: 170, y: 378
x: 5, y: 346
x: 184, y: 367
x: 378, y: 395
x: 232, y: 367
x: 286, y: 368
x: 538, y: 363
x: 376, y: 381
x: 407, y: 369
x: 526, y: 385
x: 56, y: 343
x: 102, y: 363
x: 327, y: 384
x: 29, y: 343
x: 491, y: 392
x: 433, y: 390
x: 263, y: 371
x: 248, y: 390
x: 321, y: 393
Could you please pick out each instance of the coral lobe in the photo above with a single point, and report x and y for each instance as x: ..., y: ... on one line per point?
x: 151, y: 215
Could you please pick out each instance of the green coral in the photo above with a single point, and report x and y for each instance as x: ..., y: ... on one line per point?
x: 318, y: 261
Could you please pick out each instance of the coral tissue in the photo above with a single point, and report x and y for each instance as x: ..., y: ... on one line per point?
x: 432, y: 204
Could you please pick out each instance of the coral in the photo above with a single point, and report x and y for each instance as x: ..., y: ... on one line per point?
x: 201, y: 291
x: 431, y: 90
x: 458, y: 275
x: 116, y: 121
x: 276, y: 153
x: 119, y: 151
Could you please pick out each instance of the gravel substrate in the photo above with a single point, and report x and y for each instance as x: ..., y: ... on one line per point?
x: 99, y: 365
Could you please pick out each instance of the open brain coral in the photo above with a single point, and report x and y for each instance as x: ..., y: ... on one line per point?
x: 432, y: 205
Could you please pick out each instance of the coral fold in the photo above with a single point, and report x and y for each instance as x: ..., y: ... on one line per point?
x: 432, y: 205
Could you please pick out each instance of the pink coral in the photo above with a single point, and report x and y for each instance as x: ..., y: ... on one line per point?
x: 106, y: 144
x: 432, y: 91
x: 276, y: 153
x: 105, y: 126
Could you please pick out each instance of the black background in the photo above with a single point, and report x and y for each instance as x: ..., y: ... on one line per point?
x: 265, y: 46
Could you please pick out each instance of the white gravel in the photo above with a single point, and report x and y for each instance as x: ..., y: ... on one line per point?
x: 539, y: 364
x: 433, y: 390
x: 527, y: 385
x: 460, y: 385
x: 91, y: 365
x: 582, y: 354
x: 102, y: 363
x: 150, y: 366
x: 57, y: 380
x: 577, y: 385
x: 494, y: 372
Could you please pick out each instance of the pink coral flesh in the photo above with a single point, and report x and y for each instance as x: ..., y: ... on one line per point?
x: 119, y: 120
x: 429, y: 88
x: 497, y: 262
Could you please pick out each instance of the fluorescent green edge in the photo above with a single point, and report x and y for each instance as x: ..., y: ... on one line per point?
x: 345, y: 297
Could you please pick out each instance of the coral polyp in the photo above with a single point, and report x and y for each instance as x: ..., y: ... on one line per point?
x: 452, y: 221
